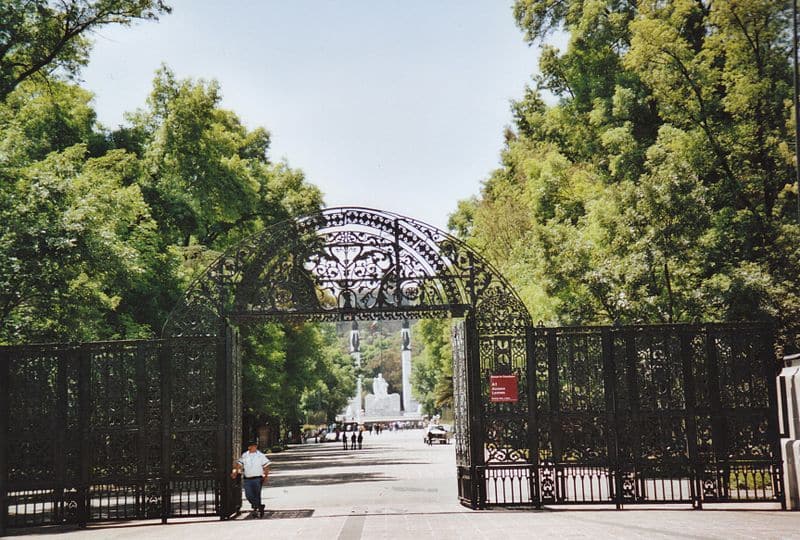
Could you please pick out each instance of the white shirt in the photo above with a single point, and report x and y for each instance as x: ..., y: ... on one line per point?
x: 253, y: 463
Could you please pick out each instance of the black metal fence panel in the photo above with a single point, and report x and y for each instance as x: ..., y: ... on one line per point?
x: 657, y: 414
x: 98, y: 431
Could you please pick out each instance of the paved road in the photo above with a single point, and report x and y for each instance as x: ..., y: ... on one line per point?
x: 393, y: 472
x: 398, y: 488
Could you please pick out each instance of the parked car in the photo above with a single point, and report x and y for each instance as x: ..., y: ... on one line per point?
x: 437, y: 433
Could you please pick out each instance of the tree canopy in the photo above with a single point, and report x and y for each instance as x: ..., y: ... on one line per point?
x: 101, y: 230
x: 51, y: 39
x: 660, y: 185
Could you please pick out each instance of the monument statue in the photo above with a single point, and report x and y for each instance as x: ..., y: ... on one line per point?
x: 380, y: 401
x: 379, y: 386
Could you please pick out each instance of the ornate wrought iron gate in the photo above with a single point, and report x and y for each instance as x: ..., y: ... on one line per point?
x: 114, y: 430
x: 615, y: 415
x: 657, y: 414
x: 647, y: 414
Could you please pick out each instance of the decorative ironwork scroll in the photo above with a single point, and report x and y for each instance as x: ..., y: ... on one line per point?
x: 347, y: 263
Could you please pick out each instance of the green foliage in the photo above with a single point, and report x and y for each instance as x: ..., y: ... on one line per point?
x: 380, y: 354
x: 659, y: 187
x: 334, y: 377
x: 79, y: 251
x: 100, y: 231
x: 45, y: 38
x: 209, y: 180
x: 432, y: 376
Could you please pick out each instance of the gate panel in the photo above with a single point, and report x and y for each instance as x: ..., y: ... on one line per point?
x: 99, y: 432
x: 42, y: 485
x: 123, y: 483
x: 737, y: 417
x: 579, y: 470
x: 508, y: 469
x: 461, y: 409
x: 196, y: 426
x: 651, y: 404
x: 658, y: 414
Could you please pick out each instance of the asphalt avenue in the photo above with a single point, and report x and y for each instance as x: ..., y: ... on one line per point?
x: 397, y: 487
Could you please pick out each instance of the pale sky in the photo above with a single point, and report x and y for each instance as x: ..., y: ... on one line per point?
x: 389, y: 104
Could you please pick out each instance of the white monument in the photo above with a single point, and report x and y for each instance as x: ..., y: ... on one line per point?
x: 381, y: 402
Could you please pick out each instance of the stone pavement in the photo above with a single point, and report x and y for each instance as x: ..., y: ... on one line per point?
x: 399, y: 488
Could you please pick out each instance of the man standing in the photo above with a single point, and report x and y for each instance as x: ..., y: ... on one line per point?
x: 255, y: 467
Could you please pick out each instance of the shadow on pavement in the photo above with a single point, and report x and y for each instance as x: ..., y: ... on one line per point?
x: 325, y: 479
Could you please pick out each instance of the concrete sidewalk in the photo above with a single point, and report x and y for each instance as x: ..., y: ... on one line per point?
x: 399, y: 488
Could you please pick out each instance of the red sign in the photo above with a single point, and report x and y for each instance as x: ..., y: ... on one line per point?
x: 503, y: 388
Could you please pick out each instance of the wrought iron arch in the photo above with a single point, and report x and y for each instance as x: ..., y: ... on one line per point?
x: 344, y: 263
x: 359, y: 263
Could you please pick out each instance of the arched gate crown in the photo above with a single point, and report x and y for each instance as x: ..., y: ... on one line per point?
x: 344, y: 263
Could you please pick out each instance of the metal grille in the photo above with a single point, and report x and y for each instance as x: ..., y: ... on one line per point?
x: 658, y: 414
x: 357, y: 263
x: 96, y: 431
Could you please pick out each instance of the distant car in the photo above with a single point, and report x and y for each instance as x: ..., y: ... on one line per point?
x: 326, y: 436
x: 437, y: 433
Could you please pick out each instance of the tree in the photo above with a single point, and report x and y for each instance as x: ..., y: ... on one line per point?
x: 657, y: 188
x: 380, y: 353
x: 51, y: 37
x: 291, y: 370
x: 432, y: 376
x: 208, y: 178
x: 79, y: 251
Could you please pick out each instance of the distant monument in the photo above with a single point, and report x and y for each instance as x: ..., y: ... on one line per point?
x: 381, y: 402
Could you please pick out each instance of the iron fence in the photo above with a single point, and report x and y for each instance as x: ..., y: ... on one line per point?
x: 661, y: 414
x: 112, y: 431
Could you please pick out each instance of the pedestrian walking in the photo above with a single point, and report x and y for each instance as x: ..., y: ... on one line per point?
x: 344, y: 440
x: 254, y: 466
x: 353, y: 441
x: 360, y: 439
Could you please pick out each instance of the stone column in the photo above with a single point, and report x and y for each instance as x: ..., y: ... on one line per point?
x: 405, y: 335
x: 355, y: 354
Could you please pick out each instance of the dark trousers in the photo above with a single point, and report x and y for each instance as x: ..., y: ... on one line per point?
x: 252, y: 490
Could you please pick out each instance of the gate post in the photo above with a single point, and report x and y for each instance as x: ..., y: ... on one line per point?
x: 554, y: 395
x: 164, y: 357
x: 141, y: 434
x: 632, y: 479
x: 4, y: 412
x: 226, y: 449
x: 59, y: 431
x: 771, y: 368
x: 719, y: 426
x: 789, y: 383
x: 475, y: 405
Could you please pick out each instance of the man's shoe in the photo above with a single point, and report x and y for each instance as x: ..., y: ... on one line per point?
x: 261, y: 511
